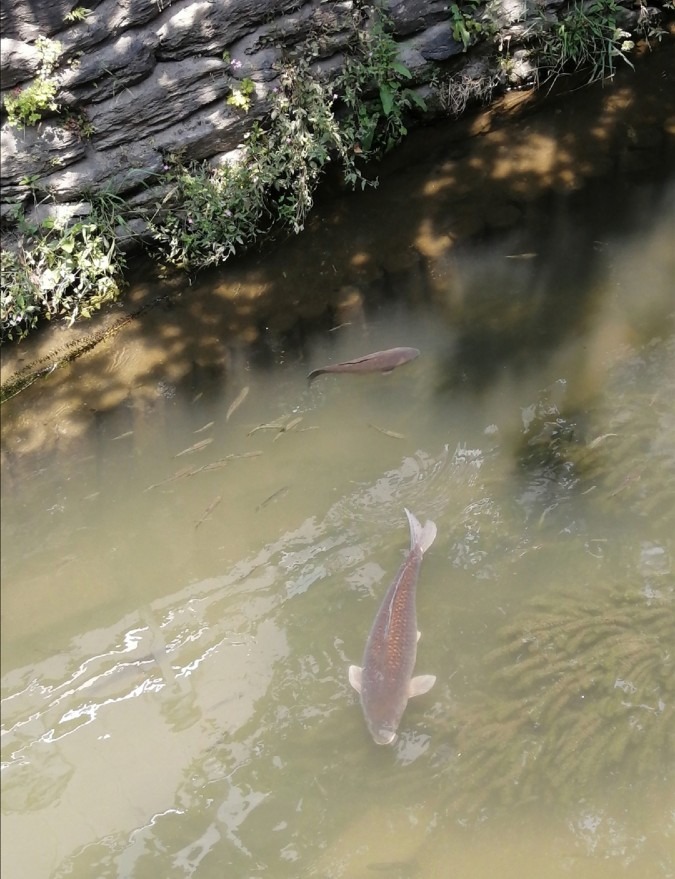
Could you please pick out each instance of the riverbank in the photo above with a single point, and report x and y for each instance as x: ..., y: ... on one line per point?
x: 92, y: 165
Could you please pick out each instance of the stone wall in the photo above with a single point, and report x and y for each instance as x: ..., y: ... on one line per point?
x: 140, y: 79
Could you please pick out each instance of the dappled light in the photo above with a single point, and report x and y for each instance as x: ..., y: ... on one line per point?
x: 196, y: 538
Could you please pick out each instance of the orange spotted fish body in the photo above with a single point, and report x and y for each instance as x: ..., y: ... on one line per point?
x: 385, y: 681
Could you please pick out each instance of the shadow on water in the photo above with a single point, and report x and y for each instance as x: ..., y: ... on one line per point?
x: 198, y: 541
x: 428, y: 234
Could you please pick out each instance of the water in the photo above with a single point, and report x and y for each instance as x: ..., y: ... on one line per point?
x: 184, y: 589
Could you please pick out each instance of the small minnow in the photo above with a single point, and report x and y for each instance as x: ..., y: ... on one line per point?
x: 385, y: 681
x: 379, y: 361
x: 241, y: 396
x: 274, y: 496
x: 196, y: 448
x: 207, y: 512
x: 391, y: 433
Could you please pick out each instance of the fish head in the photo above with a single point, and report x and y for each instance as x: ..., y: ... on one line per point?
x: 383, y: 734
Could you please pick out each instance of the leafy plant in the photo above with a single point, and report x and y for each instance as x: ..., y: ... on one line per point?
x: 465, y: 28
x: 80, y: 125
x: 61, y: 270
x: 587, y: 37
x: 28, y: 105
x: 77, y: 14
x: 290, y: 157
x: 241, y: 96
x: 218, y: 212
x: 223, y: 210
x: 376, y: 127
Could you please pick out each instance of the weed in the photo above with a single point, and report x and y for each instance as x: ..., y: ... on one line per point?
x: 587, y: 37
x: 60, y: 270
x: 80, y: 125
x: 241, y: 96
x: 218, y: 212
x: 28, y: 105
x: 77, y: 14
x: 473, y: 84
x: 224, y: 210
x: 376, y: 127
x: 465, y: 27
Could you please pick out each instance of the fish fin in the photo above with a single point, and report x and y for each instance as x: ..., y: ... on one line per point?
x: 314, y: 373
x: 421, y: 684
x: 355, y: 672
x: 420, y: 537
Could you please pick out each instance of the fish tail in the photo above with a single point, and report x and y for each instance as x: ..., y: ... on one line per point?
x: 314, y: 373
x: 420, y: 537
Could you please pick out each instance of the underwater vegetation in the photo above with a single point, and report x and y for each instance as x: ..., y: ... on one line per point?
x: 577, y: 693
x: 582, y: 693
x: 631, y: 460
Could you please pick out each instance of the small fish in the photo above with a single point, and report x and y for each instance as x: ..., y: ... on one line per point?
x: 241, y: 396
x: 274, y: 496
x: 274, y: 425
x: 196, y: 448
x: 289, y: 426
x: 223, y: 462
x: 385, y: 681
x: 207, y: 512
x: 123, y: 435
x: 205, y: 427
x: 521, y: 255
x: 391, y: 433
x: 186, y: 471
x: 599, y: 439
x: 379, y: 361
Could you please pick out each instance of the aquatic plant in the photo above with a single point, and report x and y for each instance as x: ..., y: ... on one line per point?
x: 582, y: 693
x: 578, y: 693
x: 628, y: 459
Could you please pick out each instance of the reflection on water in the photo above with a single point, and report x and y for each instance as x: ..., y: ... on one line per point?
x: 184, y: 589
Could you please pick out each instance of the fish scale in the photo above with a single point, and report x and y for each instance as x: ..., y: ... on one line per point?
x: 384, y: 682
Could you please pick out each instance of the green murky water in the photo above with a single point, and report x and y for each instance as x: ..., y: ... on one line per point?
x: 183, y: 589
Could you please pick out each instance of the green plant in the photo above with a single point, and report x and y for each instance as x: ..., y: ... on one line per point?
x: 241, y: 96
x: 465, y: 28
x: 80, y: 125
x: 376, y: 127
x: 27, y: 106
x: 60, y: 270
x: 77, y: 14
x: 587, y: 37
x: 581, y: 689
x: 49, y: 51
x: 291, y: 156
x: 217, y: 212
x: 223, y: 210
x: 648, y: 23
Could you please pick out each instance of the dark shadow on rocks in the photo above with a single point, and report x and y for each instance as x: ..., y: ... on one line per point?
x: 460, y: 209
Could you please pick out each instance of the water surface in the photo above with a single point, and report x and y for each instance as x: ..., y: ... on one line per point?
x: 189, y: 570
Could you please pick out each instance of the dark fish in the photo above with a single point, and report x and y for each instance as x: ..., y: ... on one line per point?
x: 379, y: 361
x: 385, y: 681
